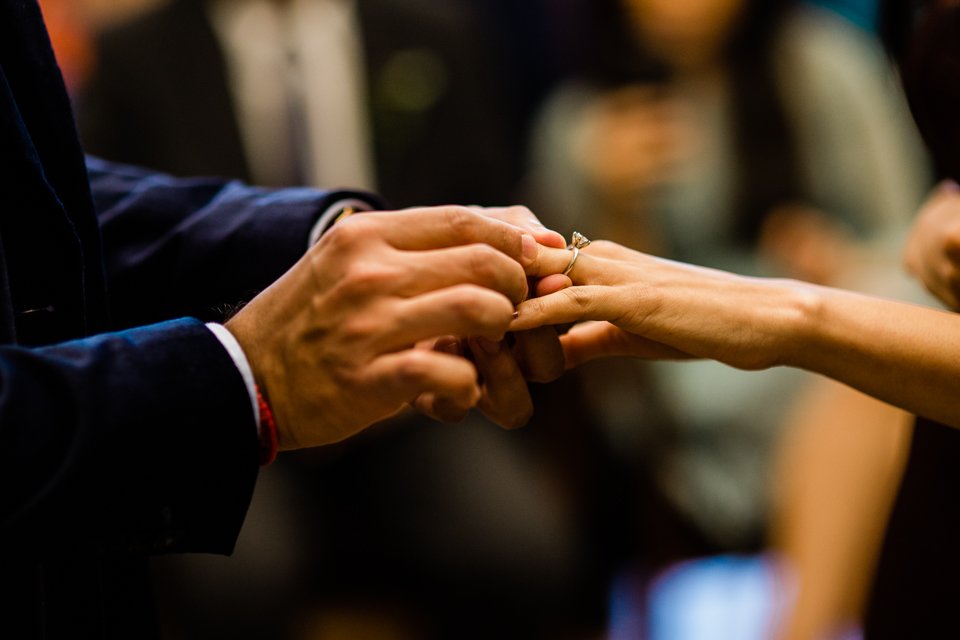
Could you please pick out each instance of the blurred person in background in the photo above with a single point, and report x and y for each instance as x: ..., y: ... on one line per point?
x: 72, y: 25
x: 401, y: 97
x: 639, y: 305
x: 767, y: 139
x: 70, y: 34
x: 410, y: 79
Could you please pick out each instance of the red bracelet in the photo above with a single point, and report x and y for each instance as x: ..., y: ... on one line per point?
x: 268, y: 432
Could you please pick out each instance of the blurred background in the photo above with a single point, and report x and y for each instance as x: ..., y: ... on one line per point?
x: 663, y: 501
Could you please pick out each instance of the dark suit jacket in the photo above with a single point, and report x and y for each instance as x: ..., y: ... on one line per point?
x: 142, y: 106
x: 115, y: 445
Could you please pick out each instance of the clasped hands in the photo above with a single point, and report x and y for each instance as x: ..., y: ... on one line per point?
x: 371, y: 319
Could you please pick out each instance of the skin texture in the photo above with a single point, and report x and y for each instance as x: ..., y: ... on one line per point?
x: 903, y: 354
x: 932, y: 252
x: 353, y: 332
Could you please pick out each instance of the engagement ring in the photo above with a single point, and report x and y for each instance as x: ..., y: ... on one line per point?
x: 577, y: 241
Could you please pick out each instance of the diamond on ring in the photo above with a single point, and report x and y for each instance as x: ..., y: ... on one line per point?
x: 577, y: 241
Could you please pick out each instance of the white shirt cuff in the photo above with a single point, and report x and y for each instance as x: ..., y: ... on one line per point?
x: 243, y: 365
x: 330, y: 215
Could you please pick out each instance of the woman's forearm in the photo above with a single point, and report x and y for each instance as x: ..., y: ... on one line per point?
x: 900, y: 353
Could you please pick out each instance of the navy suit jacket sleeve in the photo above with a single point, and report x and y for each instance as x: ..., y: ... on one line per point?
x: 141, y: 440
x: 144, y: 439
x: 175, y: 246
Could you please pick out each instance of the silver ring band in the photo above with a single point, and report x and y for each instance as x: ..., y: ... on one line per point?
x: 573, y: 260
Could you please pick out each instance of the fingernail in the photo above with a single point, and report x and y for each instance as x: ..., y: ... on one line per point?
x: 950, y: 186
x: 516, y: 314
x: 489, y: 347
x: 529, y: 247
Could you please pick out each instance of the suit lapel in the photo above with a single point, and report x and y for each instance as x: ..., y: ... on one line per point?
x: 47, y: 220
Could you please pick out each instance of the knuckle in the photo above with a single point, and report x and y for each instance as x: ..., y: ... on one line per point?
x: 464, y: 302
x: 411, y: 370
x: 344, y: 234
x: 360, y: 328
x: 534, y: 306
x: 460, y: 219
x: 366, y: 277
x: 486, y: 263
x: 603, y: 247
x: 483, y: 307
x: 578, y: 297
x: 522, y: 212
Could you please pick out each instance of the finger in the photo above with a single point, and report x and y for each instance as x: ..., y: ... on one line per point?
x: 539, y: 354
x: 506, y: 399
x: 523, y: 218
x: 404, y: 376
x: 574, y: 304
x: 592, y: 340
x: 590, y: 266
x: 463, y: 310
x: 443, y: 344
x: 477, y: 264
x: 550, y: 261
x: 612, y: 251
x: 439, y: 227
x: 552, y: 284
x: 442, y: 409
x: 602, y: 262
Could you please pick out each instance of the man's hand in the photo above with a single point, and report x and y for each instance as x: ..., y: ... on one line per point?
x: 932, y: 253
x: 504, y: 367
x: 332, y: 342
x: 534, y: 355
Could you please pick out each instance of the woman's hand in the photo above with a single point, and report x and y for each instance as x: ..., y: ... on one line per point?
x: 932, y: 253
x: 903, y: 354
x: 654, y: 308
